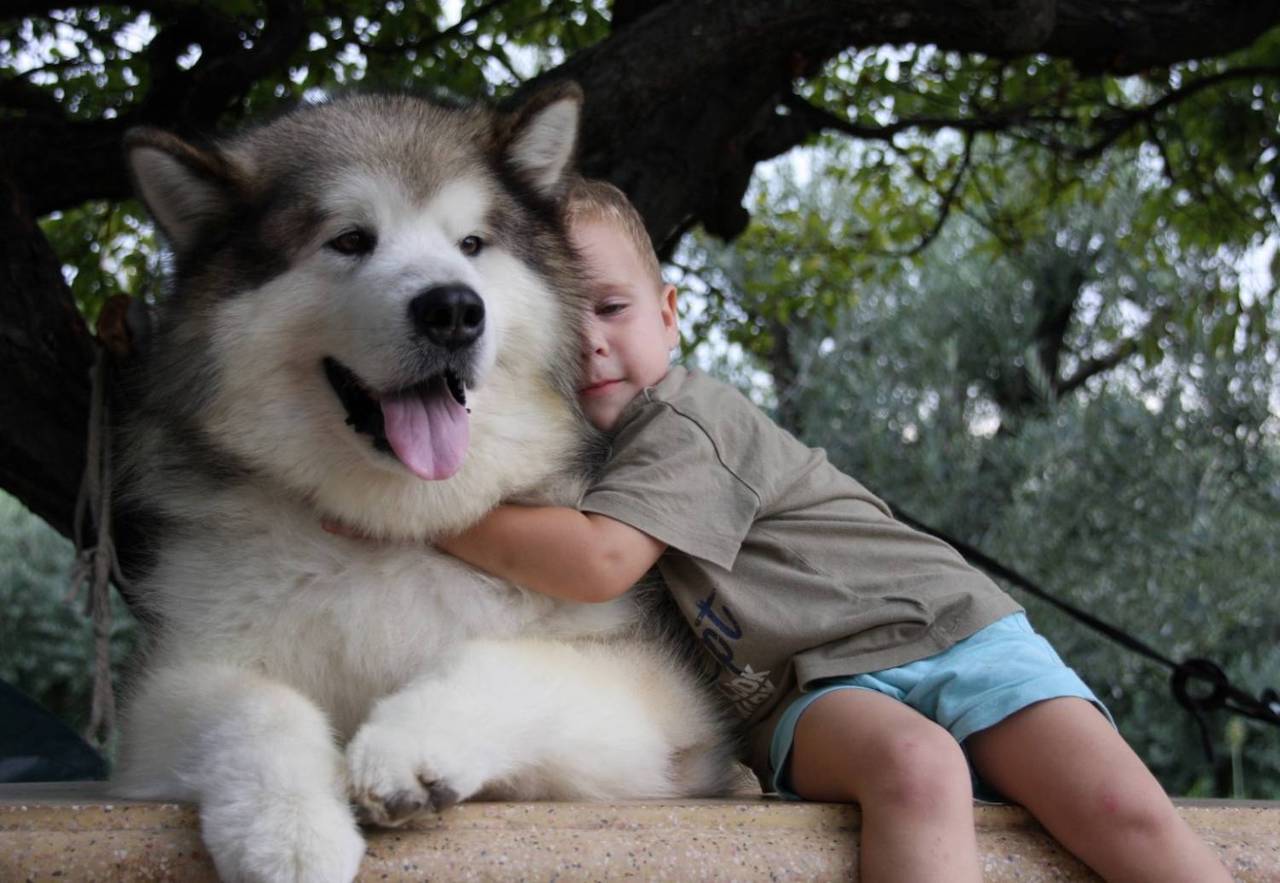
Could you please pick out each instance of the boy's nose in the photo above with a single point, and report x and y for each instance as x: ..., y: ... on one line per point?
x: 593, y: 342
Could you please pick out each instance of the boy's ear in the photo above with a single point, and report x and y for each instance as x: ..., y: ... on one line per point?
x: 543, y: 137
x: 670, y: 317
x: 184, y: 187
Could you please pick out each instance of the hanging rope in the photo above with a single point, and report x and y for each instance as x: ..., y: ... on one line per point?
x: 97, y: 565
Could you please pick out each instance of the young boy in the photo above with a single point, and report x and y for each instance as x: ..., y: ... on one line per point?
x: 869, y: 662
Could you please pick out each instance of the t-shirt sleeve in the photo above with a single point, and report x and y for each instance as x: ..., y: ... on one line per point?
x: 666, y: 478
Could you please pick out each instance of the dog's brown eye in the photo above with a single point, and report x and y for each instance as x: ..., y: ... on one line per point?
x: 471, y: 245
x: 352, y: 242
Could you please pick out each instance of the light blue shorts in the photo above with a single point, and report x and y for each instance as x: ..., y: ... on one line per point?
x: 968, y: 687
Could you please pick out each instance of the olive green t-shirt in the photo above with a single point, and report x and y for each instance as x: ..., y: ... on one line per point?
x: 787, y: 569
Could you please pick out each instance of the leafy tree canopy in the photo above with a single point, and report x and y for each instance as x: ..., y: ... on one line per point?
x: 929, y: 132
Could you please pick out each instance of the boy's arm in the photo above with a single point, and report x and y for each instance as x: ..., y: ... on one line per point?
x: 558, y: 551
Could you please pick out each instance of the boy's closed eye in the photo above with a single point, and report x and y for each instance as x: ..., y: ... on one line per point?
x: 610, y: 308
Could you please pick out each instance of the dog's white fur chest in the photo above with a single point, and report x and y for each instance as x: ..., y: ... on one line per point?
x: 345, y: 621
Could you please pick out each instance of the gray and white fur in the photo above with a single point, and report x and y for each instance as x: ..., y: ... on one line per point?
x: 295, y: 673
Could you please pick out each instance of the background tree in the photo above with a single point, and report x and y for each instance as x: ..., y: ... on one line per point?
x: 1016, y: 255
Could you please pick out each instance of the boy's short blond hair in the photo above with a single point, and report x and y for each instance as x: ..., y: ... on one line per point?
x: 590, y: 199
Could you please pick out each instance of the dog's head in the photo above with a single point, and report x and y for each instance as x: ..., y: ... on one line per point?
x: 374, y: 303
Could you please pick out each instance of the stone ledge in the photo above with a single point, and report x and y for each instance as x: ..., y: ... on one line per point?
x: 73, y: 832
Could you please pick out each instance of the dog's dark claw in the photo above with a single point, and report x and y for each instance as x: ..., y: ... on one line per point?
x: 442, y: 796
x: 403, y: 804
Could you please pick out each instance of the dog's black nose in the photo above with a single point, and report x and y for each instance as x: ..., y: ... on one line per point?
x: 451, y: 316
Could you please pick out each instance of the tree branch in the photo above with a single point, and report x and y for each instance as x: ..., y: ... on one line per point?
x: 944, y: 211
x: 1092, y: 367
x: 1131, y: 36
x: 16, y: 9
x: 627, y: 11
x: 1057, y: 299
x: 219, y: 80
x: 1123, y: 350
x: 17, y: 93
x: 434, y: 39
x: 1117, y: 125
x: 818, y: 119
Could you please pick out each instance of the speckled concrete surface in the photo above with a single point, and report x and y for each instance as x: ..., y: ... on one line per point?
x: 74, y: 833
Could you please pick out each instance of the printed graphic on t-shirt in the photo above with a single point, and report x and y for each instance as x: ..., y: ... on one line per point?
x: 746, y: 688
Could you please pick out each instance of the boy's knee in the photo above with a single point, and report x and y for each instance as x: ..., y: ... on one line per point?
x: 1118, y: 810
x: 919, y: 770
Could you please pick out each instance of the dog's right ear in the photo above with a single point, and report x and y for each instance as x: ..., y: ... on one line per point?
x: 184, y: 187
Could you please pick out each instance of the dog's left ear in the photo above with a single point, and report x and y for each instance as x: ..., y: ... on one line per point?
x: 188, y: 189
x: 543, y: 135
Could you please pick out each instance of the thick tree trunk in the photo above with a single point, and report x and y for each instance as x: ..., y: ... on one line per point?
x: 45, y: 355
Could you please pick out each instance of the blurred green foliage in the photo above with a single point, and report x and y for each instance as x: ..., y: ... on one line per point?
x: 46, y: 640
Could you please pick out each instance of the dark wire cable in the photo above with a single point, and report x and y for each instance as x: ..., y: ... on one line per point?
x: 1199, y: 685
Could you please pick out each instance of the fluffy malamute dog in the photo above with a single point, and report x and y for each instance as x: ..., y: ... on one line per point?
x: 373, y: 320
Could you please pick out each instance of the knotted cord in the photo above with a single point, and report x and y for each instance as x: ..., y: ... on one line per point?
x: 97, y: 565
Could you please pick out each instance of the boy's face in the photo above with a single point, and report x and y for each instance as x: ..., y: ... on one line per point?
x: 631, y: 327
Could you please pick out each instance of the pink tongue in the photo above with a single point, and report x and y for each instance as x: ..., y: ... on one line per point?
x: 428, y: 430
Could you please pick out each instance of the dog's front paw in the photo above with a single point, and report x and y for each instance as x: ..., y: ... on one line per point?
x: 394, y: 775
x: 287, y: 838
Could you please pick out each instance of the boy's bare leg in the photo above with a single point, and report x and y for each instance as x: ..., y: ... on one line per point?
x: 908, y: 774
x: 1064, y: 762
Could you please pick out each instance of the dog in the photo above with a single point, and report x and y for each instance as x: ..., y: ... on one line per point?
x: 374, y: 320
